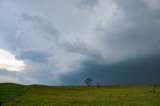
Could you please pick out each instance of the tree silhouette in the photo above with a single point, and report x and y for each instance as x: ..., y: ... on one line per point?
x: 88, y: 81
x: 154, y: 88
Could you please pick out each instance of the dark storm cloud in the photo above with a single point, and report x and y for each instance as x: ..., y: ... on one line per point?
x: 47, y: 74
x: 132, y: 71
x: 132, y: 34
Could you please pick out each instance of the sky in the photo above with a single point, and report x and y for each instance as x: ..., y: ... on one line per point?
x: 62, y: 42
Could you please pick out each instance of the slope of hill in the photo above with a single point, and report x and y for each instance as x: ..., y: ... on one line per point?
x: 37, y: 95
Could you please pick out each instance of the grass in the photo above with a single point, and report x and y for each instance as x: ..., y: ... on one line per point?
x: 36, y: 95
x: 10, y: 90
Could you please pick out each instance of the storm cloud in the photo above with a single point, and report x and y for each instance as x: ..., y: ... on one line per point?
x: 62, y: 43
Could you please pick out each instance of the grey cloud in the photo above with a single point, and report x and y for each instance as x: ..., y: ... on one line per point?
x: 41, y: 23
x: 36, y: 56
x: 86, y: 3
x: 81, y: 47
x: 38, y: 77
x: 142, y: 13
x: 4, y: 72
x: 48, y: 75
x: 133, y: 30
x: 27, y: 31
x: 36, y: 33
x: 77, y: 46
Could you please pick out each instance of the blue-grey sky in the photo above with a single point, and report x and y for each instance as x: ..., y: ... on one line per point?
x: 62, y: 42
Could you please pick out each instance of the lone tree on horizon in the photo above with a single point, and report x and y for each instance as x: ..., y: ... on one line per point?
x: 88, y: 81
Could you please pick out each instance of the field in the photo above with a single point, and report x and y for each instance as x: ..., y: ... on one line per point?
x: 38, y: 95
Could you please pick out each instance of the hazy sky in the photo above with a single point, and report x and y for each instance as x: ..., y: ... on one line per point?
x: 62, y: 42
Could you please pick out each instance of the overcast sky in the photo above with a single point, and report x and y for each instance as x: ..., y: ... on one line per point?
x: 62, y: 42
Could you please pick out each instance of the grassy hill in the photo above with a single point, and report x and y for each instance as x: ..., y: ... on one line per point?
x: 37, y: 95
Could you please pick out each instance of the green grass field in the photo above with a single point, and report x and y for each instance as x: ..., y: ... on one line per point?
x: 36, y: 95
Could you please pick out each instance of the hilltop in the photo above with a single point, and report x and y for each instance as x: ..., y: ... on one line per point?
x: 15, y: 94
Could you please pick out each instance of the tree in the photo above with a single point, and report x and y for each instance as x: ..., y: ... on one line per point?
x: 153, y: 90
x: 88, y: 81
